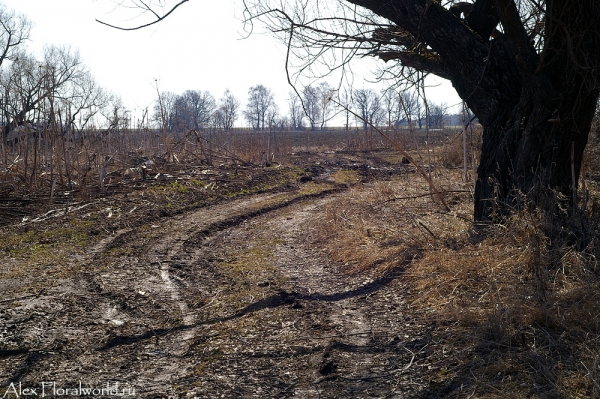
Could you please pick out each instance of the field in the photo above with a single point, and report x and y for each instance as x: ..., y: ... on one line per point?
x: 287, y: 265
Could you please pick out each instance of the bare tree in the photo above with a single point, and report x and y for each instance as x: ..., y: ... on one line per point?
x: 14, y: 32
x: 218, y: 119
x: 311, y: 99
x: 164, y: 110
x: 437, y: 115
x: 230, y: 106
x: 411, y: 107
x: 115, y: 114
x: 318, y: 105
x: 85, y: 102
x: 28, y: 82
x: 368, y: 107
x: 326, y: 93
x: 260, y: 105
x: 272, y: 117
x: 346, y: 102
x: 296, y: 113
x: 193, y: 109
x: 391, y: 106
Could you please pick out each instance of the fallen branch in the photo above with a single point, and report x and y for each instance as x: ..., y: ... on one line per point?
x: 426, y: 228
x: 425, y: 195
x: 56, y: 213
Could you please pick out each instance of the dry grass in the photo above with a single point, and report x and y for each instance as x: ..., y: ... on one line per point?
x: 517, y: 307
x: 452, y: 153
x: 384, y: 225
x: 530, y: 311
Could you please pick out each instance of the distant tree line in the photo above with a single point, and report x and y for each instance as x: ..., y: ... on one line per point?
x: 314, y: 107
x: 194, y: 109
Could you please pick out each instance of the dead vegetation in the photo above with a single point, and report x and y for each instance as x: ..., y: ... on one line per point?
x: 506, y: 310
x: 43, y: 166
x: 515, y: 305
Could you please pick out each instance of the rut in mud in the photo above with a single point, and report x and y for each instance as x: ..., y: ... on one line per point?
x: 168, y: 316
x: 231, y: 300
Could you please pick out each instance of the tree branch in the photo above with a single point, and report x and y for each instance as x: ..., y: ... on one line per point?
x: 394, y: 36
x: 148, y: 24
x: 515, y: 31
x: 420, y: 62
x: 431, y: 24
x: 483, y: 18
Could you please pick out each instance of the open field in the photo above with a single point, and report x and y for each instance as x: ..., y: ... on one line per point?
x: 333, y: 274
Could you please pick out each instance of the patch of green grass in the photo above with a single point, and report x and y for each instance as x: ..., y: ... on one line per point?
x: 244, y: 191
x: 33, y: 251
x: 69, y: 235
x: 173, y: 187
x: 178, y: 187
x: 295, y: 173
x: 45, y: 245
x: 312, y: 188
x: 393, y: 158
x: 17, y: 239
x: 345, y: 176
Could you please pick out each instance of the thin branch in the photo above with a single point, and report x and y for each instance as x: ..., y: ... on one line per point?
x: 148, y: 24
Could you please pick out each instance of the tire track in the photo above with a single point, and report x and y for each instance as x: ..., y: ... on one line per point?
x: 175, y: 243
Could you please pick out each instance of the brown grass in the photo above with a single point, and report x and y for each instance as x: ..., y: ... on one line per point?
x: 383, y: 225
x: 518, y: 305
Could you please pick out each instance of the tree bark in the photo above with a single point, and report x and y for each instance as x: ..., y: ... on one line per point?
x: 531, y: 136
x: 526, y: 150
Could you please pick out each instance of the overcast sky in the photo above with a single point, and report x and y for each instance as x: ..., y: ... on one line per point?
x: 200, y: 46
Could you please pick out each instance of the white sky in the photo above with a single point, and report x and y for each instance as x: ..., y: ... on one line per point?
x: 199, y: 46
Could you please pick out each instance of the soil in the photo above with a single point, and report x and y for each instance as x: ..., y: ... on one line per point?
x: 209, y: 292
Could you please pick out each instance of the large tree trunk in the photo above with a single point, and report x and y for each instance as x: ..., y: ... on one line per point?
x: 534, y: 137
x: 533, y: 148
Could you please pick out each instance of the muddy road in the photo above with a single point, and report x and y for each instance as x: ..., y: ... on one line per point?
x: 232, y: 299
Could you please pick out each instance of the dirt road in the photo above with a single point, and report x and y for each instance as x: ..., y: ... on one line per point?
x: 231, y: 300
